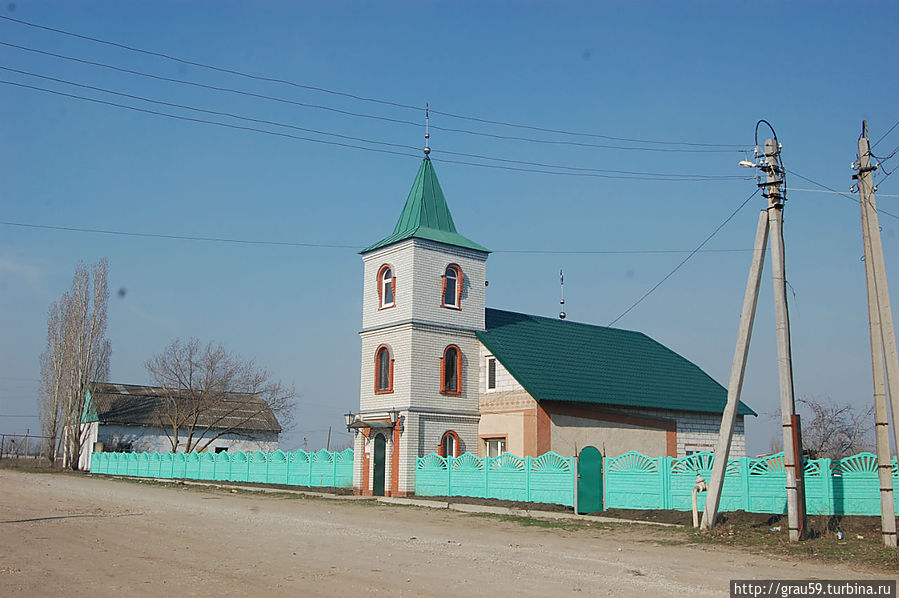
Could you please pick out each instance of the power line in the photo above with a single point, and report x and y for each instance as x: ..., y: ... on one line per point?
x: 846, y: 195
x: 890, y: 130
x: 834, y: 192
x: 625, y: 175
x: 205, y: 111
x: 338, y: 246
x: 686, y: 259
x: 352, y: 113
x: 363, y: 140
x: 734, y: 147
x: 177, y: 237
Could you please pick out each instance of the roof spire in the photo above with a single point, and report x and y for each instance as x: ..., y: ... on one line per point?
x: 562, y: 288
x: 427, y: 126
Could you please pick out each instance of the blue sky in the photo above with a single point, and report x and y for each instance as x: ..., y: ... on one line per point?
x: 697, y: 72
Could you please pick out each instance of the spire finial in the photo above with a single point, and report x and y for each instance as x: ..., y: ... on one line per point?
x: 427, y: 126
x: 562, y: 288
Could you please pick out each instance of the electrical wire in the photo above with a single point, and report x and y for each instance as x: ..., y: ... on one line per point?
x: 359, y: 97
x: 835, y: 192
x: 890, y: 130
x: 840, y: 193
x: 352, y: 113
x: 343, y: 246
x: 200, y: 120
x: 626, y: 175
x: 685, y: 260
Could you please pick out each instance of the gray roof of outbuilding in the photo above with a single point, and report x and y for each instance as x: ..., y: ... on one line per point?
x: 133, y: 405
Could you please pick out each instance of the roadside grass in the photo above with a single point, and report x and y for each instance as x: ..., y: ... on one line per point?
x: 865, y: 552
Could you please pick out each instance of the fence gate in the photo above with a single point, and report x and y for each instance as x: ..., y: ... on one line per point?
x: 589, y: 483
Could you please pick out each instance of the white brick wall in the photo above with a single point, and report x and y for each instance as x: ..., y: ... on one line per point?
x: 504, y: 380
x: 418, y: 330
x: 418, y: 266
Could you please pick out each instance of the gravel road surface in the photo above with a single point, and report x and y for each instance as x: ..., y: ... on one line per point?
x: 76, y: 535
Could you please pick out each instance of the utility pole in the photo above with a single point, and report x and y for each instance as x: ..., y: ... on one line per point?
x: 770, y: 221
x: 883, y: 337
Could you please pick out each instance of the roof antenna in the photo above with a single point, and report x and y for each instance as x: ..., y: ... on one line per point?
x: 427, y: 132
x: 562, y: 288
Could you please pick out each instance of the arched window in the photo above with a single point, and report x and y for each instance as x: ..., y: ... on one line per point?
x: 383, y: 371
x: 452, y: 287
x: 449, y: 444
x: 451, y: 371
x: 386, y: 287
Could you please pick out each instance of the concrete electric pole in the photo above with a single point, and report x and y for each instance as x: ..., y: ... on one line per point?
x: 770, y: 221
x: 883, y: 337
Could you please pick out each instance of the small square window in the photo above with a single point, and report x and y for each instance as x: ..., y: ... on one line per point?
x: 495, y: 446
x: 221, y: 449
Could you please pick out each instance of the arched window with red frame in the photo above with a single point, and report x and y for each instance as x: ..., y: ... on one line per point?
x: 386, y: 287
x: 451, y: 296
x: 383, y: 370
x: 449, y: 444
x: 451, y: 371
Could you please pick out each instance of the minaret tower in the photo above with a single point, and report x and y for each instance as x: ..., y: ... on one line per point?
x: 422, y: 302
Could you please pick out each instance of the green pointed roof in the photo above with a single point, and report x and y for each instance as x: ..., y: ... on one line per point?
x: 426, y: 215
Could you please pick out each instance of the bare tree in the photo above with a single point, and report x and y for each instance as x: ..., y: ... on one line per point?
x: 209, y: 392
x: 835, y: 430
x: 54, y: 377
x: 77, y: 354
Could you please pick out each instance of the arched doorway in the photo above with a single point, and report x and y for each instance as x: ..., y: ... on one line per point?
x: 380, y: 465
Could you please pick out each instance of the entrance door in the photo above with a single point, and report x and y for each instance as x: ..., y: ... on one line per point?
x: 380, y: 453
x: 589, y: 483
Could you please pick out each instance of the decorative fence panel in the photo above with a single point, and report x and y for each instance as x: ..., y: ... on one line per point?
x: 634, y: 481
x: 299, y: 468
x: 548, y: 478
x: 847, y: 486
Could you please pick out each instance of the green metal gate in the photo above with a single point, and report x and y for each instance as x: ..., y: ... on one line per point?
x: 589, y: 483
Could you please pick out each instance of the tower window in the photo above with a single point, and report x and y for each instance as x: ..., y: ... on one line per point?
x: 386, y: 287
x: 383, y: 371
x: 451, y: 371
x: 452, y: 287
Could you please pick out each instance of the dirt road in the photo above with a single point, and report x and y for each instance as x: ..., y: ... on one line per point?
x: 72, y: 535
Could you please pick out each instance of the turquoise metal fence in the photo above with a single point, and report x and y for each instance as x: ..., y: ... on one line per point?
x: 547, y: 478
x: 848, y: 486
x: 634, y: 481
x: 299, y: 468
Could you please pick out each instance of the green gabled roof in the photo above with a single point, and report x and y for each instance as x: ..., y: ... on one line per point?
x: 426, y: 215
x: 555, y: 360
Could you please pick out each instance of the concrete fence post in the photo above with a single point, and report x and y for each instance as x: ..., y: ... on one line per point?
x: 527, y: 477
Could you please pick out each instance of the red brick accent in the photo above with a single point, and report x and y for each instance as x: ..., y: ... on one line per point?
x: 395, y: 462
x: 378, y: 372
x: 443, y: 389
x: 366, y: 463
x: 544, y: 431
